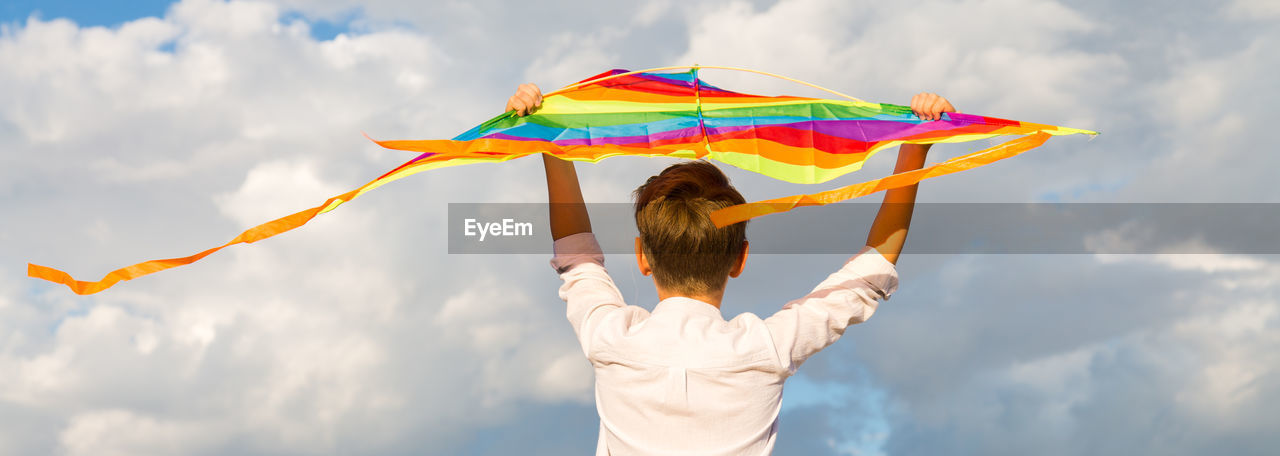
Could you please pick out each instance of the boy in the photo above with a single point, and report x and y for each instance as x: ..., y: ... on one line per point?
x: 682, y: 380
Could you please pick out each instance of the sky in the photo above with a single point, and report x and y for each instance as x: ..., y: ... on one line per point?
x: 158, y: 129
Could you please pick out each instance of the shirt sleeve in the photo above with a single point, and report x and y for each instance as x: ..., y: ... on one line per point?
x: 847, y: 297
x: 588, y: 291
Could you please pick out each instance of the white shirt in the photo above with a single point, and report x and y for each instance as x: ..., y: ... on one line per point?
x: 682, y: 380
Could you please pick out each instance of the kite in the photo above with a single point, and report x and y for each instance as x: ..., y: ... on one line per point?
x: 658, y: 113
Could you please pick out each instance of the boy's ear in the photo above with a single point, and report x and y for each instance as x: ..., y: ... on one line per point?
x: 641, y: 261
x: 741, y: 262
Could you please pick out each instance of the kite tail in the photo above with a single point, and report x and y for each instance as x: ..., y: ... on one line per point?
x: 743, y: 212
x: 251, y: 235
x: 444, y: 153
x: 274, y: 227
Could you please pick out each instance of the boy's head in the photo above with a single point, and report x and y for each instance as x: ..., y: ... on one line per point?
x: 687, y: 253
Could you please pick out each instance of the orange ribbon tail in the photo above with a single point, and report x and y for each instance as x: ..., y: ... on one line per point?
x: 743, y: 212
x: 251, y: 235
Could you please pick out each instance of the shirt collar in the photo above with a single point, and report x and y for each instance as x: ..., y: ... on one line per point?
x: 688, y: 305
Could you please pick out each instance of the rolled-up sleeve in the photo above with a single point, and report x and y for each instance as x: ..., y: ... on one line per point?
x: 849, y: 296
x: 588, y: 291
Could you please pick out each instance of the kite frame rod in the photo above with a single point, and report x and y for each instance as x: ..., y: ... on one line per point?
x: 687, y: 67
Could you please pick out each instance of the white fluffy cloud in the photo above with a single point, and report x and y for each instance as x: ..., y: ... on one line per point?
x: 172, y: 134
x: 1169, y: 369
x: 1254, y: 10
x: 1210, y: 117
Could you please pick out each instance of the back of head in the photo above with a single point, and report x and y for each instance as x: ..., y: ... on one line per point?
x: 687, y: 253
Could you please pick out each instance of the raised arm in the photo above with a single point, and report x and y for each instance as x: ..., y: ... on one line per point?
x: 568, y: 211
x: 889, y: 231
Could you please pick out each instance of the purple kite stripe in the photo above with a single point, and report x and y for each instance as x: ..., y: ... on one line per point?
x: 862, y: 130
x: 424, y: 155
x: 655, y: 78
x: 615, y: 140
x: 661, y: 78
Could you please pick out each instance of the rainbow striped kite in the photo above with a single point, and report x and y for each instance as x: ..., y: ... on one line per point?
x: 650, y: 113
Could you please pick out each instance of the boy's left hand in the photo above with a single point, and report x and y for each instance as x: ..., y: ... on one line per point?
x: 930, y: 106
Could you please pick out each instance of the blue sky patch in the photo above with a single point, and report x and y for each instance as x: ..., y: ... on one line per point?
x: 324, y: 29
x: 81, y: 12
x: 111, y: 14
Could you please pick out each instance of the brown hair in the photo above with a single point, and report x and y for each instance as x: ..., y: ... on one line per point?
x: 688, y: 254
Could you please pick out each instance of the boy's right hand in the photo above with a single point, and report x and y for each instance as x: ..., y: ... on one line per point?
x: 527, y: 98
x: 930, y: 106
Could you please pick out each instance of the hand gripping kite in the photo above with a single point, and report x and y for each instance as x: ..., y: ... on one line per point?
x: 648, y: 113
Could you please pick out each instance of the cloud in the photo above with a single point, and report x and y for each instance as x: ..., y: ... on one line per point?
x: 1130, y: 362
x: 121, y: 432
x: 272, y: 189
x: 168, y: 135
x: 496, y: 326
x: 1209, y: 114
x: 1253, y: 10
